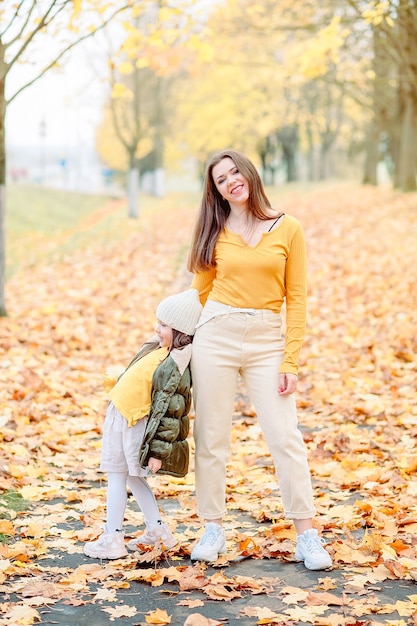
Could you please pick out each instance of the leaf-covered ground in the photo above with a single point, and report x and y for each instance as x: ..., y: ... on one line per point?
x: 357, y: 399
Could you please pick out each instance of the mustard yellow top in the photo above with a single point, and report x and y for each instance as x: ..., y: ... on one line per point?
x: 131, y: 395
x: 261, y: 277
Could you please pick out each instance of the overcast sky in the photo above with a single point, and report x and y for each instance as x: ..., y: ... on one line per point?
x: 68, y: 104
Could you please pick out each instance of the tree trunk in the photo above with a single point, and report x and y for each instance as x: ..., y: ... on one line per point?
x: 406, y: 161
x: 159, y: 173
x: 288, y: 137
x: 132, y: 192
x: 311, y: 170
x: 379, y: 86
x: 406, y: 165
x: 262, y: 156
x: 2, y: 199
x: 370, y: 176
x: 267, y: 151
x: 324, y: 164
x: 159, y: 182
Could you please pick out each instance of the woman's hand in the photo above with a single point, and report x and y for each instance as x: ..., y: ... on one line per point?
x: 287, y: 384
x: 154, y: 465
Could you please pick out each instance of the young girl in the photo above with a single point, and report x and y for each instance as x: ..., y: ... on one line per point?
x: 147, y: 425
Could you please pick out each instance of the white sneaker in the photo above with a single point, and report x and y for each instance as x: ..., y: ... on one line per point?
x: 158, y: 533
x: 107, y: 546
x: 211, y: 544
x: 310, y: 550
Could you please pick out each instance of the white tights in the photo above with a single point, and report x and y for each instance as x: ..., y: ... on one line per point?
x: 117, y: 499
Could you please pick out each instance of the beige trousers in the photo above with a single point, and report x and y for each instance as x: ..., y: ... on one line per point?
x: 228, y: 342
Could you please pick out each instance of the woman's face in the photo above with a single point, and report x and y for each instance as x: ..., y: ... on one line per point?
x: 164, y: 334
x: 230, y: 183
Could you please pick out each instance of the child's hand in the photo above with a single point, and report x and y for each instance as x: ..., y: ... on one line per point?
x: 154, y: 465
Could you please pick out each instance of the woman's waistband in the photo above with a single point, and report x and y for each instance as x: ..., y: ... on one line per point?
x: 212, y: 308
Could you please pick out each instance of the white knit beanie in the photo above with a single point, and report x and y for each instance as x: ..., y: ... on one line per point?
x: 181, y: 311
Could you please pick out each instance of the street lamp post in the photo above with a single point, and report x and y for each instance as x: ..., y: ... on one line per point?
x: 42, y: 159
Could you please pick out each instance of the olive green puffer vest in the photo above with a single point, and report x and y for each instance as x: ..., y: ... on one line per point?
x: 168, y: 424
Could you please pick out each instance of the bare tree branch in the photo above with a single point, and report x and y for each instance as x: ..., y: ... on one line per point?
x: 41, y: 25
x: 15, y: 16
x: 66, y: 50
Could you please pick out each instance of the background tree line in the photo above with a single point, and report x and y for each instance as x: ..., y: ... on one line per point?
x: 318, y: 83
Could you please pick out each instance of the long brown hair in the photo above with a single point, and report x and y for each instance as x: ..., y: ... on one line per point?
x: 214, y: 210
x: 179, y: 339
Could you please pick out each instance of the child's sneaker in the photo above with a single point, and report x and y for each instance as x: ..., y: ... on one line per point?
x: 107, y: 546
x: 211, y: 544
x: 155, y: 533
x: 310, y: 550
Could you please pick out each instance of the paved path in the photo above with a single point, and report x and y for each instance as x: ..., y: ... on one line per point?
x: 287, y: 585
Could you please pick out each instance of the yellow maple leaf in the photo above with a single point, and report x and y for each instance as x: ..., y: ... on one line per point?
x: 6, y: 528
x: 40, y: 601
x: 32, y: 492
x: 305, y: 614
x: 22, y: 615
x: 120, y: 611
x: 158, y: 617
x: 326, y: 584
x: 294, y: 594
x: 405, y: 609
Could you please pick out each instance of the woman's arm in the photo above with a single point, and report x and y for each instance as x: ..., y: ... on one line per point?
x: 203, y: 282
x: 296, y: 301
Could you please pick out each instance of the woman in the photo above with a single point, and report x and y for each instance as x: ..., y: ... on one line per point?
x: 246, y: 258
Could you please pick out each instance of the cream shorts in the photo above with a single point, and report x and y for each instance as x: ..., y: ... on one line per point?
x: 121, y: 444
